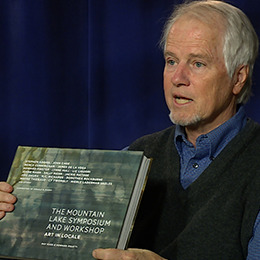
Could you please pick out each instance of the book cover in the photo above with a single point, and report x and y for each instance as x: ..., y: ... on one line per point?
x: 71, y: 201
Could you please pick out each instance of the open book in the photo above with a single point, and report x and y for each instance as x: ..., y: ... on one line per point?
x: 71, y: 201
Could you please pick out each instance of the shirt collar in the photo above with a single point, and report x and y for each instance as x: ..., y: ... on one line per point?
x: 217, y: 138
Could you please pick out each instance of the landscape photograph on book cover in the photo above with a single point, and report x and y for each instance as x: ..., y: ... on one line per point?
x: 70, y: 201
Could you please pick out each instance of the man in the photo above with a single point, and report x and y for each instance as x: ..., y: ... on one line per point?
x: 202, y: 198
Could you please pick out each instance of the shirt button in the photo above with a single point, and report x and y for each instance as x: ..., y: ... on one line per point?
x: 195, y: 166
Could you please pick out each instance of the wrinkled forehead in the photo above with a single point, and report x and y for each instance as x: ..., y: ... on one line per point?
x: 213, y: 24
x: 204, y: 14
x: 192, y: 36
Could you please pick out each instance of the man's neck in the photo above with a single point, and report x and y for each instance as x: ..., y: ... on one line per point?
x: 204, y: 127
x: 193, y: 132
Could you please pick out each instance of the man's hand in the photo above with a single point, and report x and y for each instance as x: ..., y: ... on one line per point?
x: 7, y: 200
x: 130, y: 254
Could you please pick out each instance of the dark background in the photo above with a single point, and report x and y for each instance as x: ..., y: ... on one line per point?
x: 86, y: 73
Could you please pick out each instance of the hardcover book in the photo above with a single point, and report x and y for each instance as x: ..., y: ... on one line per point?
x: 71, y: 201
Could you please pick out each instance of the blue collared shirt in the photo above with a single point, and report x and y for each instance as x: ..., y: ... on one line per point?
x: 194, y: 160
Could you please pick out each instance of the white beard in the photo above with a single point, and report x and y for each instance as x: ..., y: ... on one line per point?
x: 185, y: 121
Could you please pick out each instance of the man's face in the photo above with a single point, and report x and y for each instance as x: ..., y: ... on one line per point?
x: 198, y: 91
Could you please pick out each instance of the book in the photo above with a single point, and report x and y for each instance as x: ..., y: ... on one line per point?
x: 71, y: 201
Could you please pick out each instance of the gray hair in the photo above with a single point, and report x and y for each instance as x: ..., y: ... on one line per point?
x: 240, y: 40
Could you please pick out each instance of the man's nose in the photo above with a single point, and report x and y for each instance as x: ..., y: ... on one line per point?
x: 180, y: 76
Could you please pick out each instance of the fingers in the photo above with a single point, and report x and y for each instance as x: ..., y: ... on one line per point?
x: 130, y: 254
x: 6, y: 207
x: 4, y: 186
x: 107, y: 254
x: 5, y: 193
x: 6, y: 199
x: 114, y: 254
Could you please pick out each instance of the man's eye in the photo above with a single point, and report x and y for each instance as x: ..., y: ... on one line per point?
x: 171, y: 62
x: 199, y: 64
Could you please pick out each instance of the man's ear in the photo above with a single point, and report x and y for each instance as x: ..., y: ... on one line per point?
x: 240, y: 77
